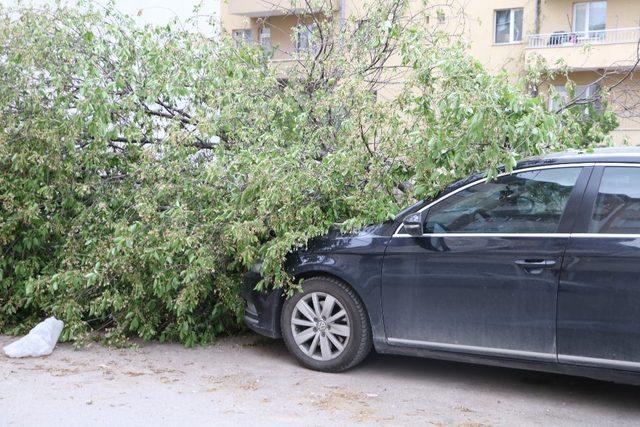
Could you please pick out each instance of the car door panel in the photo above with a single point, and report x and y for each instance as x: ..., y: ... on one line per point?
x: 491, y: 292
x: 472, y: 292
x: 599, y: 301
x: 599, y: 291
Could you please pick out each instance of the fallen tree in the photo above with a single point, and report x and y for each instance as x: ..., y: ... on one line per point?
x: 144, y: 170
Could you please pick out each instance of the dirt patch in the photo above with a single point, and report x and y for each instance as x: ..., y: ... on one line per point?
x: 240, y: 381
x: 53, y: 370
x: 357, y: 404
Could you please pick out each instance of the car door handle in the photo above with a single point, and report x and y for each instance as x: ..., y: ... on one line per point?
x: 535, y: 266
x: 538, y: 263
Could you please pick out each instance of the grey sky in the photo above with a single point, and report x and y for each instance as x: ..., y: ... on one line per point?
x: 157, y: 12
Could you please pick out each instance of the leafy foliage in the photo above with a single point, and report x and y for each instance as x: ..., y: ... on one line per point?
x: 144, y: 170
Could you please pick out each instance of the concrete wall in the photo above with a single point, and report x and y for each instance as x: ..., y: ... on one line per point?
x: 624, y: 100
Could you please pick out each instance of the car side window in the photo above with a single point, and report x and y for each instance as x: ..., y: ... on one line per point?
x: 617, y: 207
x: 525, y: 202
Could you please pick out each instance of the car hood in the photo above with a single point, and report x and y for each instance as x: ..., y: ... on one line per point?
x: 337, y: 241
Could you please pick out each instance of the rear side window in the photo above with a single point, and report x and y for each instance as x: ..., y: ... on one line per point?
x: 525, y: 202
x: 617, y: 208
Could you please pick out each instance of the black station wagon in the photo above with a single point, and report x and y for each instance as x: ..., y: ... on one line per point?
x: 537, y: 269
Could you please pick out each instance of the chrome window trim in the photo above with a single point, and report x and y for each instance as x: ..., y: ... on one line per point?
x: 472, y: 349
x: 482, y: 180
x: 524, y: 235
x: 617, y: 164
x: 601, y: 154
x: 605, y: 235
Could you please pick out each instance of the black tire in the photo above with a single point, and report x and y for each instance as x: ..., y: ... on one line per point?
x: 360, y: 341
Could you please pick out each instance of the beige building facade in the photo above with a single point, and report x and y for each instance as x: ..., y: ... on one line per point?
x: 597, y: 41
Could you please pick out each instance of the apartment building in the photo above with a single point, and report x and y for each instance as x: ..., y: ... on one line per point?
x: 596, y: 40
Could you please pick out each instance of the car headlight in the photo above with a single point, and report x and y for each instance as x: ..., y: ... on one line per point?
x: 257, y: 267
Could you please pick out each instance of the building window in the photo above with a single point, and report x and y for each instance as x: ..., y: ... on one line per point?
x: 305, y: 39
x: 508, y: 26
x: 265, y: 38
x: 244, y: 36
x: 590, y: 19
x: 583, y: 94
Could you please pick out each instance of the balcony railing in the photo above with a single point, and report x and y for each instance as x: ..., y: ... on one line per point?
x: 567, y: 39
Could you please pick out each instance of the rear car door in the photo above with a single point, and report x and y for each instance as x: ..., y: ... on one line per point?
x: 599, y: 292
x: 483, y: 278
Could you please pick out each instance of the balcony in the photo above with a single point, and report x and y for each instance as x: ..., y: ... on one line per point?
x: 615, y: 48
x: 266, y: 8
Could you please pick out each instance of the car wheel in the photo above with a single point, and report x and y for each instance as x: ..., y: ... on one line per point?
x: 326, y: 326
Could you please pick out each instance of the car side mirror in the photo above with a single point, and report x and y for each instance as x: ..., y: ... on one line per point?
x: 414, y: 223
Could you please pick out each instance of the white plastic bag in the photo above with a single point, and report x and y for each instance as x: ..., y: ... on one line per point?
x: 40, y: 341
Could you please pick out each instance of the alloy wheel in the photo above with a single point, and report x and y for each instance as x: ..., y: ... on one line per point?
x: 320, y: 326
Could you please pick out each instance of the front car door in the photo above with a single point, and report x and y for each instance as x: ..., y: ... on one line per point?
x: 484, y: 277
x: 599, y: 294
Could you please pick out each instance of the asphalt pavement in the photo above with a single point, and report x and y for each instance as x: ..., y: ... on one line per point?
x: 254, y: 381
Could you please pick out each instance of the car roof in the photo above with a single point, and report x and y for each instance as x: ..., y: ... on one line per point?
x: 598, y: 155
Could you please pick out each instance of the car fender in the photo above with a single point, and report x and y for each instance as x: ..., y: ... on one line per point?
x: 361, y: 272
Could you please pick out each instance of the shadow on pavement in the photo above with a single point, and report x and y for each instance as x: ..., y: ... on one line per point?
x: 516, y: 383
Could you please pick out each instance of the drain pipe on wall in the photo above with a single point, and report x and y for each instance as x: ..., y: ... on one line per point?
x: 538, y: 11
x: 533, y: 90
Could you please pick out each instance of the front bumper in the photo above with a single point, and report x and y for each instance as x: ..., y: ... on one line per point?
x: 261, y: 309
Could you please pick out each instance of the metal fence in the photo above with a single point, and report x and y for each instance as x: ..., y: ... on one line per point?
x: 562, y: 38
